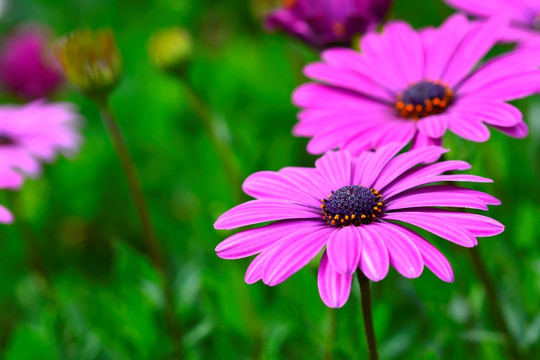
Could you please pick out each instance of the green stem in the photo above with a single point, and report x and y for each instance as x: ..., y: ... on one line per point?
x: 223, y: 150
x: 365, y: 293
x: 493, y: 302
x: 151, y: 243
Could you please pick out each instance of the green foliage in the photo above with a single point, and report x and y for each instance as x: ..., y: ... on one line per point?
x: 102, y: 299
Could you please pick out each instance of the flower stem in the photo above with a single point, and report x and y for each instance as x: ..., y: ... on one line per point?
x: 151, y: 243
x: 493, y: 302
x: 222, y: 149
x: 365, y: 293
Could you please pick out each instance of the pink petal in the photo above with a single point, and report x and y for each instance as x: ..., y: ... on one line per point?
x: 258, y: 211
x: 409, y: 183
x: 344, y: 248
x: 293, y: 253
x: 478, y: 225
x: 437, y: 225
x: 518, y: 131
x: 404, y: 162
x: 374, y: 261
x: 404, y: 256
x: 253, y: 241
x: 269, y: 185
x: 255, y: 269
x: 451, y: 34
x: 469, y: 128
x: 433, y: 258
x: 473, y: 48
x: 6, y: 217
x: 376, y: 162
x: 334, y: 287
x: 438, y: 195
x: 433, y: 126
x: 335, y: 168
x: 347, y: 80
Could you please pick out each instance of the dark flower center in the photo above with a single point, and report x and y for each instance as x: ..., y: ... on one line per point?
x: 6, y: 140
x: 423, y: 99
x: 352, y: 205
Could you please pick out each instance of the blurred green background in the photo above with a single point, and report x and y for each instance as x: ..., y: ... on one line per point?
x: 99, y: 296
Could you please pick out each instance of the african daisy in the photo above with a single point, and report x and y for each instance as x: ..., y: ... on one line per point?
x: 355, y: 208
x: 407, y: 85
x: 36, y: 133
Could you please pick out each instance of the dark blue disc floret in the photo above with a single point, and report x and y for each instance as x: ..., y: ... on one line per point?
x: 352, y: 205
x: 423, y: 99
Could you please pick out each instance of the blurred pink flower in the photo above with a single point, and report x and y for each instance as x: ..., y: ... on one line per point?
x: 355, y: 207
x: 408, y: 85
x: 324, y: 23
x: 524, y: 16
x: 35, y: 133
x: 28, y: 67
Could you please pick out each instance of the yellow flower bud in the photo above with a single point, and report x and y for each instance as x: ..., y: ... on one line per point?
x: 170, y: 49
x: 91, y: 61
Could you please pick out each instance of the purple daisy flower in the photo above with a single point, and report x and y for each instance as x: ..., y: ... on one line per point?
x: 355, y: 208
x: 407, y: 85
x: 324, y: 23
x: 36, y: 133
x: 524, y: 15
x: 10, y: 180
x: 28, y: 67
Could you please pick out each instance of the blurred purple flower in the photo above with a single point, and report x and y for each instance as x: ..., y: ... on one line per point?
x: 28, y: 68
x: 413, y: 86
x: 524, y: 15
x: 354, y: 207
x: 36, y: 133
x: 325, y: 23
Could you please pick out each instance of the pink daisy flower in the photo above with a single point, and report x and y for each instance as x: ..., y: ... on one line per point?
x: 355, y: 208
x: 324, y: 23
x: 407, y: 85
x: 36, y: 133
x: 10, y: 180
x: 524, y: 15
x: 28, y: 67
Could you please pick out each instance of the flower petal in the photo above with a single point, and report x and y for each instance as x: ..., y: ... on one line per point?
x: 335, y: 166
x: 259, y: 211
x: 293, y: 253
x: 344, y: 248
x: 404, y: 256
x: 334, y: 287
x: 437, y: 225
x: 433, y: 258
x: 250, y: 242
x: 374, y: 261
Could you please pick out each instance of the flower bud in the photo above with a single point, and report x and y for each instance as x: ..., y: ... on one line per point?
x: 170, y: 49
x: 91, y: 61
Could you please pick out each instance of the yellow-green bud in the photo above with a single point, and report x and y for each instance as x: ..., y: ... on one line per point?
x: 170, y: 49
x: 91, y: 61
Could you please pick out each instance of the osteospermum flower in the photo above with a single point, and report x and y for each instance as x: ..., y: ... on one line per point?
x: 323, y: 23
x: 523, y: 14
x: 36, y: 133
x: 355, y: 207
x: 28, y: 68
x: 9, y: 180
x: 407, y: 85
